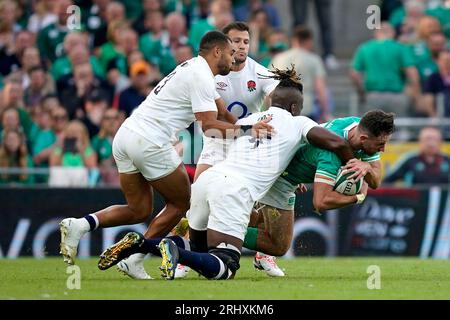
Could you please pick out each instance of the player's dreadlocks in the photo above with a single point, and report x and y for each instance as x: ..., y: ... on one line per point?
x: 288, y: 78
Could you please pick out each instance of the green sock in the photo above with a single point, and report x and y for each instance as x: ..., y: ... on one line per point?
x: 250, y: 238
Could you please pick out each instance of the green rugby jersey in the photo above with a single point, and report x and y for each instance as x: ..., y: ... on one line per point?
x: 310, y: 160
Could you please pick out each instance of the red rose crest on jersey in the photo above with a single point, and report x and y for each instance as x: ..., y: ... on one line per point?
x: 251, y: 85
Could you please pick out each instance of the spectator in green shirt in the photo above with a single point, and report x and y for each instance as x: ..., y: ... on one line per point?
x: 405, y: 20
x: 43, y: 15
x: 43, y: 142
x: 45, y: 138
x: 159, y: 46
x: 122, y: 41
x: 94, y: 18
x: 150, y: 42
x: 425, y: 55
x: 76, y: 48
x: 220, y: 16
x: 405, y: 17
x: 50, y: 39
x: 277, y: 42
x: 260, y: 31
x: 442, y: 13
x: 74, y: 150
x: 143, y: 23
x: 378, y: 71
x: 12, y: 97
x: 14, y: 155
x: 133, y: 9
x: 102, y: 145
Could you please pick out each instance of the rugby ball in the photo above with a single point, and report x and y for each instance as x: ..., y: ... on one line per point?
x: 345, y: 186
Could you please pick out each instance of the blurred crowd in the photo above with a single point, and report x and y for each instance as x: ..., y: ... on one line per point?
x: 406, y: 66
x: 65, y: 91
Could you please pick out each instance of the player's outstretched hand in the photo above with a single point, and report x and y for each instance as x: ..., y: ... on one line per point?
x: 358, y: 167
x: 263, y: 129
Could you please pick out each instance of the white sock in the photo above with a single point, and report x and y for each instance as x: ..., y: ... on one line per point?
x: 83, y: 224
x: 137, y: 257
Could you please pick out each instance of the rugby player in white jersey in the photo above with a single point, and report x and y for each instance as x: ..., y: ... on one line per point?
x: 143, y: 146
x: 242, y: 92
x: 224, y: 195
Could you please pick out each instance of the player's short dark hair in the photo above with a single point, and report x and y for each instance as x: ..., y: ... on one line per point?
x: 302, y: 34
x: 212, y: 39
x: 238, y: 25
x: 377, y: 122
x: 288, y: 78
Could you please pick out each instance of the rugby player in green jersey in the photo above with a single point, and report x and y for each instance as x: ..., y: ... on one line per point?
x: 367, y: 137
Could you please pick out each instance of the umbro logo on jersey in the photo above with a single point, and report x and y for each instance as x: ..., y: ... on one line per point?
x: 221, y: 86
x: 251, y: 85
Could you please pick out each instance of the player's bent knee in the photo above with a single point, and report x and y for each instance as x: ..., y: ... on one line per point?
x: 141, y: 212
x: 229, y: 257
x: 142, y: 215
x: 184, y: 207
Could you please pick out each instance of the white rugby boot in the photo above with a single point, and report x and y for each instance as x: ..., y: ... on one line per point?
x: 268, y: 264
x: 72, y: 230
x: 133, y: 266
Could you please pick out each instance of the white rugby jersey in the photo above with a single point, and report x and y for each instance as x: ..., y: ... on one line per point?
x: 259, y: 162
x: 243, y: 91
x: 171, y: 105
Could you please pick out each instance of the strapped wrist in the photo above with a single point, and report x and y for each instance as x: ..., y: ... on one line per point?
x: 247, y: 129
x: 360, y: 198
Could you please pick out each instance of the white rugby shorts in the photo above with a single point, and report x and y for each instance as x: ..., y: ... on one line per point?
x: 221, y: 203
x: 281, y: 195
x: 214, y: 151
x: 133, y: 153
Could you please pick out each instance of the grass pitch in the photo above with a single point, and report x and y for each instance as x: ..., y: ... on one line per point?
x: 306, y: 278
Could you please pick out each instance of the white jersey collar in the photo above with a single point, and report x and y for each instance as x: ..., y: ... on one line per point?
x: 348, y: 128
x: 237, y: 74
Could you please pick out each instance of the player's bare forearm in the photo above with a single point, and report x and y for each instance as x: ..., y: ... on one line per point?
x: 229, y: 117
x: 334, y: 200
x: 222, y: 112
x: 326, y: 139
x: 326, y: 199
x: 373, y: 176
x: 220, y: 129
